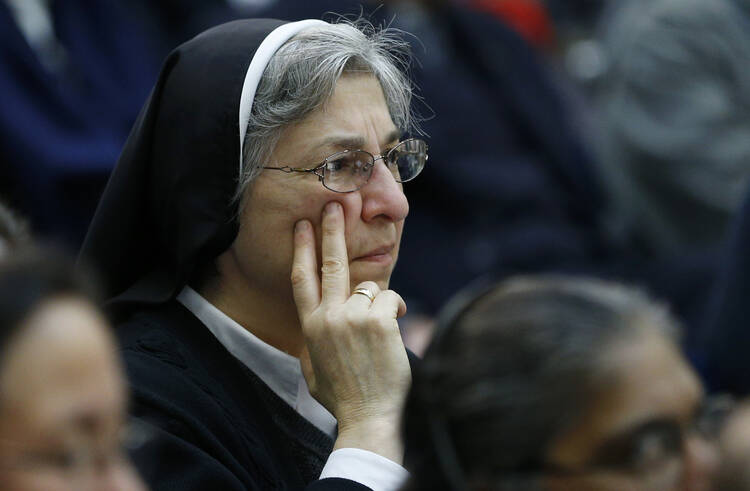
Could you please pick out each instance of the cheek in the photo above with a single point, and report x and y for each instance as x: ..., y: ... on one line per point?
x: 313, y: 209
x: 273, y: 210
x: 270, y: 215
x: 39, y: 480
x: 296, y: 203
x: 399, y: 232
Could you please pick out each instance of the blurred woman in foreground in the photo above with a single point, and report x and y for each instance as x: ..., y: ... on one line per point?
x: 557, y: 384
x: 62, y: 391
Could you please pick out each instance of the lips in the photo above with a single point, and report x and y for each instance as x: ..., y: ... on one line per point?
x: 379, y: 254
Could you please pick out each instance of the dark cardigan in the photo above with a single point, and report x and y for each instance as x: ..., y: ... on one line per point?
x: 215, y: 424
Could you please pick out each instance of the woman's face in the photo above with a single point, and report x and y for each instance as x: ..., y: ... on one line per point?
x: 63, y: 404
x: 356, y: 117
x: 637, y: 435
x: 734, y: 445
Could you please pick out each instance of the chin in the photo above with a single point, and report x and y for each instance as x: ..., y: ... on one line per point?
x: 383, y: 280
x: 379, y: 272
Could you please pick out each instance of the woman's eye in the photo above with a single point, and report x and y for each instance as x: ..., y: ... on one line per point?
x: 338, y: 165
x: 652, y: 449
x: 64, y: 460
x: 346, y: 164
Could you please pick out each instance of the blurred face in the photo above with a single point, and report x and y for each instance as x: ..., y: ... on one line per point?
x: 637, y: 434
x: 62, y: 404
x: 355, y: 118
x: 734, y: 445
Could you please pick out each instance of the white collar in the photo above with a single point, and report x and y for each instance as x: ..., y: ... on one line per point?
x: 280, y: 371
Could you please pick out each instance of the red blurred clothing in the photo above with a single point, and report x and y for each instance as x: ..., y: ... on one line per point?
x: 528, y: 17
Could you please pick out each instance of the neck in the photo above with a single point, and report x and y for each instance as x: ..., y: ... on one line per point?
x: 272, y: 319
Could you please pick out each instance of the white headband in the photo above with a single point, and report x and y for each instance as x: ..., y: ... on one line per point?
x: 258, y: 64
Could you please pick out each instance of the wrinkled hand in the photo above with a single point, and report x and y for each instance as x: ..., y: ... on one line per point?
x: 356, y: 363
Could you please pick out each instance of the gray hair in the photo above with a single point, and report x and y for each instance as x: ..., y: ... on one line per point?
x: 514, y: 369
x: 302, y: 75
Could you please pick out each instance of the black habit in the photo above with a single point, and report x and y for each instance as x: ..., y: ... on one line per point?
x: 217, y: 426
x: 167, y: 210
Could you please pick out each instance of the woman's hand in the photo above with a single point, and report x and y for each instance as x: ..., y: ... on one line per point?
x: 355, y: 363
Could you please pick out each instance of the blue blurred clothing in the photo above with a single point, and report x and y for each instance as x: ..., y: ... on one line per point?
x: 61, y: 131
x: 509, y: 187
x: 725, y: 341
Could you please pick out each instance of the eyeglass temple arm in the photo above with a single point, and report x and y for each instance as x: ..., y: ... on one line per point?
x: 289, y: 170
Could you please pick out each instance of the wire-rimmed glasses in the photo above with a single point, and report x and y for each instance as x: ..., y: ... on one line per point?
x: 80, y: 462
x: 349, y: 170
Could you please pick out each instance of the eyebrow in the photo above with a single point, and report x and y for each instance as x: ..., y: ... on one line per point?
x: 354, y: 142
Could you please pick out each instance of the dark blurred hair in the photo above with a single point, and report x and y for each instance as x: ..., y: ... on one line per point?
x: 13, y: 231
x: 32, y: 276
x: 509, y: 370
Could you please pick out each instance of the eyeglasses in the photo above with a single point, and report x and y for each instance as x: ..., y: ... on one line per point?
x: 653, y: 453
x: 78, y: 462
x: 348, y: 171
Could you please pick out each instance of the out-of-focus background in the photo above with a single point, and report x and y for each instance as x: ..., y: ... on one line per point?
x: 583, y: 136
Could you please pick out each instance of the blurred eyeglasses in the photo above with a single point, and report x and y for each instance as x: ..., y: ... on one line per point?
x: 349, y: 170
x: 653, y: 453
x: 79, y: 463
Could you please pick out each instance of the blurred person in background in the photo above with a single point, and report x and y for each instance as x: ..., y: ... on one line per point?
x: 247, y: 237
x: 555, y: 383
x: 576, y: 16
x: 73, y: 74
x: 734, y: 445
x: 724, y: 337
x: 62, y: 388
x: 511, y: 186
x: 530, y: 18
x: 675, y: 108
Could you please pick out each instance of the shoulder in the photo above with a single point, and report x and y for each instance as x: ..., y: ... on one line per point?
x: 202, y: 425
x: 159, y: 358
x: 176, y: 364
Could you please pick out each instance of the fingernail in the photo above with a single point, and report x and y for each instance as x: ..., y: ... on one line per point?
x: 301, y: 226
x: 331, y: 207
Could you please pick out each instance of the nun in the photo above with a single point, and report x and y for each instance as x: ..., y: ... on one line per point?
x: 247, y: 237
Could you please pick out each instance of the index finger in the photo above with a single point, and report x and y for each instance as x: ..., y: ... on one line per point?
x: 334, y: 260
x: 305, y: 285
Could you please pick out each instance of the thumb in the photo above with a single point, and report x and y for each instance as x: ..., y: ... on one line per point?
x: 307, y: 369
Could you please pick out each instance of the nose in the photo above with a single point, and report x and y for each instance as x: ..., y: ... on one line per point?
x: 382, y: 196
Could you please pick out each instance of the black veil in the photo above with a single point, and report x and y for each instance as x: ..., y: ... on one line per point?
x: 168, y: 205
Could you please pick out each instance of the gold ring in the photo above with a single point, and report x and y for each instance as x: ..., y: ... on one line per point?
x: 366, y: 292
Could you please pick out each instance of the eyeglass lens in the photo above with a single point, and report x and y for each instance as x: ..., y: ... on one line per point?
x: 350, y: 170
